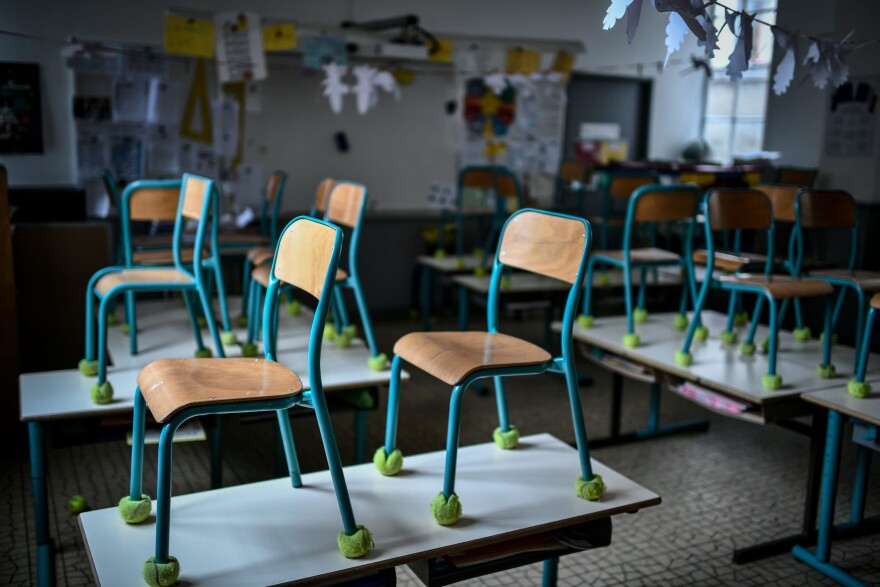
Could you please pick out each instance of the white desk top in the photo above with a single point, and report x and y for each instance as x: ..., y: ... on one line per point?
x: 449, y: 263
x: 269, y: 533
x: 164, y: 332
x: 715, y: 365
x: 838, y: 398
x: 524, y: 282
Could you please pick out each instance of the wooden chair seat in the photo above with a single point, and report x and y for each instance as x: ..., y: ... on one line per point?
x: 723, y: 261
x: 140, y: 276
x: 163, y: 257
x: 864, y: 280
x: 172, y: 385
x: 781, y: 286
x: 453, y: 356
x: 261, y: 274
x: 642, y: 255
x: 259, y: 255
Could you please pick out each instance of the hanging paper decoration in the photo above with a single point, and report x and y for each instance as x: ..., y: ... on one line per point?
x: 334, y: 87
x: 615, y: 12
x: 676, y: 31
x: 368, y: 80
x: 710, y: 44
x: 785, y: 70
x: 739, y: 58
x: 487, y: 113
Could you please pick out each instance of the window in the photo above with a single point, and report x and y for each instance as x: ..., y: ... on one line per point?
x: 733, y: 119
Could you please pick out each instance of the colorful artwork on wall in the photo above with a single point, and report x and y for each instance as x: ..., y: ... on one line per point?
x: 487, y: 113
x: 21, y: 119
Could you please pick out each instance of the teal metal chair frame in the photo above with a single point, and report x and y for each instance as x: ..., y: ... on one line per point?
x: 102, y: 390
x: 857, y: 386
x: 314, y: 399
x: 771, y: 380
x: 639, y: 313
x: 564, y: 365
x: 607, y: 212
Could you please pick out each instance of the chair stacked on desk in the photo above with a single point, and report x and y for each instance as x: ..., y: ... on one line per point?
x: 546, y: 243
x: 193, y: 198
x: 307, y: 258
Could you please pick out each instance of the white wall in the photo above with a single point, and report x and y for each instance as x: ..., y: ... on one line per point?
x: 396, y: 149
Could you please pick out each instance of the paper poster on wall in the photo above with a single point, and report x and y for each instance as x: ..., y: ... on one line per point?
x: 89, y: 62
x: 127, y: 157
x: 21, y: 118
x: 524, y: 61
x: 145, y: 63
x: 226, y: 127
x: 441, y: 196
x: 253, y: 97
x: 240, y: 54
x: 163, y: 152
x: 92, y: 155
x: 129, y: 100
x: 852, y: 124
x: 318, y: 51
x: 188, y: 153
x: 279, y: 37
x: 247, y: 185
x: 206, y: 165
x: 163, y: 102
x: 443, y: 52
x: 189, y: 36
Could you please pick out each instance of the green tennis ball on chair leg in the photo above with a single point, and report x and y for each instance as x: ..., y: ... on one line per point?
x: 101, y: 394
x: 765, y: 345
x: 350, y: 331
x: 640, y: 315
x: 506, y: 440
x: 329, y: 332
x: 826, y: 371
x: 76, y: 505
x: 833, y: 337
x: 88, y: 368
x: 439, y: 254
x: 747, y: 348
x: 591, y: 490
x: 631, y: 340
x: 771, y: 382
x: 481, y: 272
x: 446, y: 512
x: 125, y: 328
x: 342, y: 340
x: 356, y: 545
x: 135, y: 511
x: 701, y: 333
x: 728, y: 336
x: 112, y: 319
x: 161, y: 574
x: 740, y: 318
x: 388, y: 465
x: 378, y: 363
x: 294, y: 308
x: 228, y: 337
x: 684, y: 359
x: 858, y: 389
x: 202, y: 321
x: 204, y: 353
x: 680, y: 322
x: 585, y: 320
x: 241, y: 321
x: 459, y: 263
x: 249, y: 349
x: 802, y: 334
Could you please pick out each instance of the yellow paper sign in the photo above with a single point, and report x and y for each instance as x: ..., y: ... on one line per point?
x: 279, y: 37
x: 564, y: 63
x: 189, y: 36
x: 522, y: 61
x: 443, y: 53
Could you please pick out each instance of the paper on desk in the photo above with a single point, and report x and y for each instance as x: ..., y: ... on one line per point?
x: 240, y: 54
x: 130, y: 100
x: 164, y: 99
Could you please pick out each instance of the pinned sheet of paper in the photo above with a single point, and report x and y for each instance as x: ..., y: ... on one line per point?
x: 253, y: 97
x: 240, y: 54
x: 441, y: 196
x: 523, y: 61
x: 247, y: 185
x: 163, y: 102
x: 334, y: 88
x: 129, y: 100
x: 368, y: 80
x: 189, y: 36
x: 163, y: 152
x: 92, y: 155
x: 87, y: 61
x: 127, y: 157
x: 279, y: 37
x: 226, y: 127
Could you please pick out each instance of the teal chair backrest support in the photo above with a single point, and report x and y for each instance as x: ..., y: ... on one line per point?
x: 345, y: 207
x: 548, y: 243
x: 306, y: 257
x: 825, y: 209
x: 272, y: 206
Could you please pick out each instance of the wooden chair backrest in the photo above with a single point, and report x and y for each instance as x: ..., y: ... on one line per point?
x: 153, y: 203
x: 827, y: 209
x: 799, y: 176
x: 345, y: 204
x: 544, y: 243
x: 659, y: 204
x: 572, y: 171
x: 273, y: 185
x: 739, y: 209
x: 323, y: 192
x: 195, y: 191
x: 505, y: 185
x: 304, y: 254
x: 623, y: 186
x: 480, y: 177
x: 782, y: 197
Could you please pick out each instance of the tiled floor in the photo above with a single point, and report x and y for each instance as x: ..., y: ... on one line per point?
x: 736, y: 485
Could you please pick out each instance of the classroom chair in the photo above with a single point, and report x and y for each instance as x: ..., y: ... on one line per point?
x: 804, y: 177
x: 748, y: 209
x: 260, y: 255
x: 194, y: 199
x: 547, y: 243
x: 506, y: 193
x: 615, y: 186
x: 833, y: 209
x: 345, y: 207
x: 649, y: 205
x: 176, y: 390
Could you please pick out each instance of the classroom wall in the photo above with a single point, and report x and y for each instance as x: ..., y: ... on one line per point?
x: 398, y: 148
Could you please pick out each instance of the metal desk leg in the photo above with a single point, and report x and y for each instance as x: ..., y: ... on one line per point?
x: 45, y: 562
x: 551, y: 571
x: 217, y: 453
x: 360, y: 437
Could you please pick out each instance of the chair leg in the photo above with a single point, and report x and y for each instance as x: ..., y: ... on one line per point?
x: 680, y: 320
x: 858, y: 387
x: 801, y: 333
x: 695, y: 328
x: 354, y: 541
x: 228, y: 335
x: 860, y: 317
x: 162, y: 567
x: 729, y: 335
x: 131, y: 320
x: 641, y: 313
x: 837, y: 307
x: 585, y: 319
x: 747, y: 347
x: 377, y: 361
x: 245, y: 291
x: 446, y: 507
x: 826, y: 367
x: 630, y: 339
x: 102, y: 390
x: 88, y: 365
x: 772, y: 380
x: 191, y: 306
x: 212, y: 326
x: 289, y: 447
x: 588, y: 486
x: 388, y: 458
x: 135, y: 507
x: 506, y: 436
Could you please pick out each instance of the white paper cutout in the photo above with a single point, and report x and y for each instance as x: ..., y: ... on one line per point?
x: 819, y: 70
x: 676, y: 31
x: 785, y: 70
x: 710, y: 45
x: 688, y: 12
x: 334, y: 87
x: 386, y: 81
x: 496, y: 81
x: 615, y: 12
x: 368, y: 80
